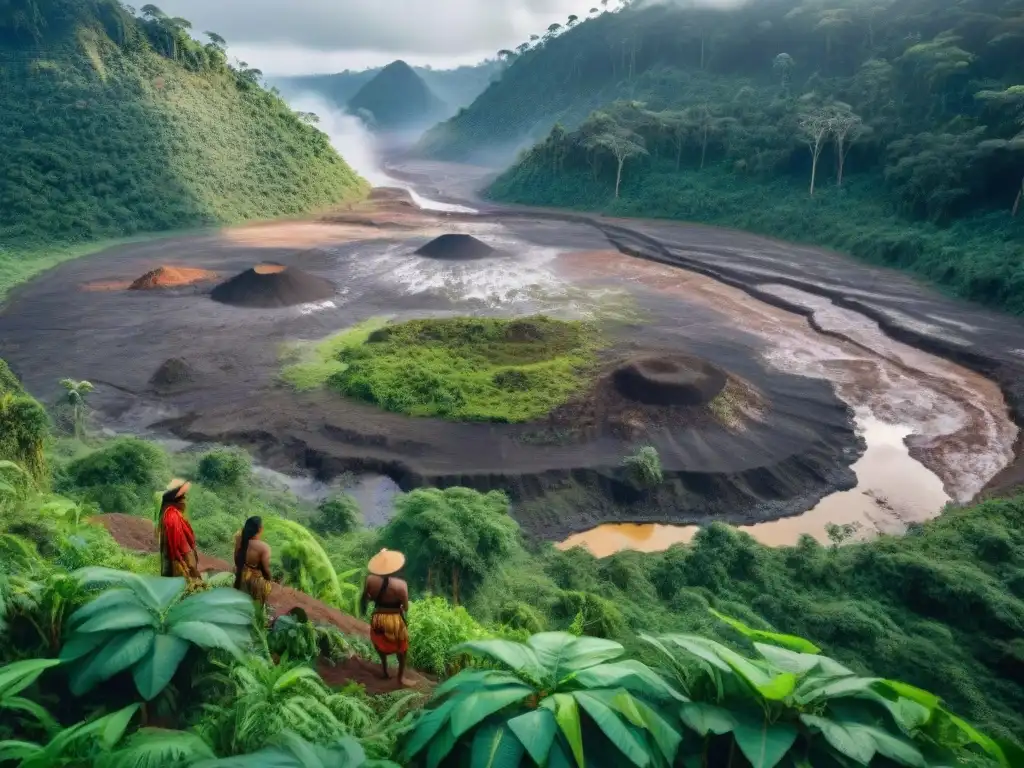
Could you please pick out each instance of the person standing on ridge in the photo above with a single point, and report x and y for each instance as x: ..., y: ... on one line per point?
x: 390, y: 597
x: 175, y: 539
x: 252, y: 561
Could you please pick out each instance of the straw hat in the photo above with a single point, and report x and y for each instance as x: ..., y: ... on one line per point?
x: 181, y: 486
x: 386, y: 562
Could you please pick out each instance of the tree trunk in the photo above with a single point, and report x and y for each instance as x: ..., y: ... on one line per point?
x: 679, y: 154
x: 1020, y: 194
x: 704, y: 148
x: 455, y: 585
x: 814, y: 168
x: 841, y: 157
x: 618, y: 176
x: 702, y: 51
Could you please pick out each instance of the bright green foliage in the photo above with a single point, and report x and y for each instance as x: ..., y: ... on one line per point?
x: 520, y: 615
x: 451, y: 538
x: 644, y: 467
x: 479, y: 369
x: 295, y: 636
x: 121, y: 476
x: 158, y: 748
x: 295, y: 752
x: 75, y: 396
x: 8, y: 381
x: 559, y: 693
x: 225, y: 468
x: 337, y: 515
x: 14, y: 679
x: 436, y: 628
x: 793, y: 701
x: 86, y: 743
x: 24, y: 427
x: 309, y: 365
x: 143, y: 624
x: 308, y: 568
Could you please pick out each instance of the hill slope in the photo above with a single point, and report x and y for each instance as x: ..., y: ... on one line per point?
x: 397, y: 98
x: 115, y: 125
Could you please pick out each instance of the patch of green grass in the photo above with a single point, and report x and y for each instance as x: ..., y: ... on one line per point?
x: 311, y: 364
x: 470, y: 369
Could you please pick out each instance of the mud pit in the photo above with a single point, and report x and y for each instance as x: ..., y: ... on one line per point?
x: 783, y: 438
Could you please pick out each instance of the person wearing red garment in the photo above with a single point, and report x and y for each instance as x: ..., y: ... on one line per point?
x: 178, y: 555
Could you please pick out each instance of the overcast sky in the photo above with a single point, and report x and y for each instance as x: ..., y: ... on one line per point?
x: 284, y: 37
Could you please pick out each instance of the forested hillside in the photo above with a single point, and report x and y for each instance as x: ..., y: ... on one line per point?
x: 115, y: 124
x: 396, y: 98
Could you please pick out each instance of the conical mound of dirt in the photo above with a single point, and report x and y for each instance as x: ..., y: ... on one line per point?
x: 273, y: 285
x: 172, y: 373
x: 669, y: 380
x: 171, y: 277
x: 456, y: 248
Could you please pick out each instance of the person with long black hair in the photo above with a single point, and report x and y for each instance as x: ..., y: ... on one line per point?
x: 252, y: 561
x: 175, y: 539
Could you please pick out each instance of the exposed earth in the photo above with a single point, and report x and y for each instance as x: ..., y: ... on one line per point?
x: 773, y: 356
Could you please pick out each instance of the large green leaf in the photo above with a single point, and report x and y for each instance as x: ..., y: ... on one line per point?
x: 471, y: 709
x: 427, y: 726
x: 613, y: 729
x: 121, y: 652
x: 440, y: 746
x: 16, y: 677
x: 791, y: 642
x: 154, y: 672
x: 631, y: 674
x: 111, y: 599
x: 495, y: 746
x: 644, y: 716
x: 787, y: 660
x: 220, y: 606
x: 832, y: 689
x: 779, y: 687
x: 764, y: 744
x: 516, y: 656
x: 18, y: 751
x: 118, y: 618
x: 928, y: 700
x: 112, y: 727
x: 30, y: 708
x: 707, y: 718
x: 473, y: 680
x: 79, y: 646
x: 698, y: 646
x: 206, y: 636
x: 973, y: 736
x: 561, y: 653
x: 893, y: 747
x: 536, y: 731
x: 852, y: 742
x: 157, y: 748
x: 567, y: 716
x: 155, y: 592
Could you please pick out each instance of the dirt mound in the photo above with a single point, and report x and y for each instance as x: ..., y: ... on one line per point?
x: 172, y: 373
x: 171, y: 277
x: 456, y: 248
x: 669, y: 380
x: 273, y: 285
x: 138, y: 535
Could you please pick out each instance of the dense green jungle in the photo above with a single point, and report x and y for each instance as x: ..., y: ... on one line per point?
x: 891, y: 131
x: 897, y: 651
x: 116, y: 125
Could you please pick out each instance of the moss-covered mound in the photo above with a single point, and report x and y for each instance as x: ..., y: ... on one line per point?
x: 471, y: 369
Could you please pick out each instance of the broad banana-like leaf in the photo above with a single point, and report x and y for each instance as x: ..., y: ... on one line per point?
x: 613, y: 729
x: 792, y: 642
x: 474, y: 679
x: 496, y: 746
x: 764, y: 744
x: 16, y: 677
x: 641, y: 715
x: 536, y: 731
x: 630, y: 674
x: 847, y: 739
x: 707, y: 718
x: 206, y: 635
x: 427, y: 727
x: 111, y: 600
x: 120, y: 617
x: 561, y: 653
x: 440, y: 746
x: 471, y: 710
x: 154, y: 671
x: 515, y: 656
x: 120, y: 652
x: 567, y: 716
x: 787, y: 660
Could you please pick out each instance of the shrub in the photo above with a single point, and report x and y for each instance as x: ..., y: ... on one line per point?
x: 225, y: 468
x: 121, y: 476
x: 644, y: 467
x: 600, y: 617
x: 519, y: 615
x: 435, y: 628
x: 337, y: 515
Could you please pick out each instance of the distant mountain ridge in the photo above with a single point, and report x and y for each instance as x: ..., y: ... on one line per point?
x: 397, y: 98
x: 457, y: 87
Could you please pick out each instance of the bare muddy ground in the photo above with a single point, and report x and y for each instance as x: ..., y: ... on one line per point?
x: 780, y: 463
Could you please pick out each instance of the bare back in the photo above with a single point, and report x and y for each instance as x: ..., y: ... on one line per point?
x: 396, y: 594
x: 257, y: 554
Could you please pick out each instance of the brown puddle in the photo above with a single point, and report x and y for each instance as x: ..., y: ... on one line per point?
x: 934, y: 431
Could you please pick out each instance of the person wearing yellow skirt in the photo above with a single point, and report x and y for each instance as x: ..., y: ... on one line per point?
x: 252, y: 561
x: 390, y: 597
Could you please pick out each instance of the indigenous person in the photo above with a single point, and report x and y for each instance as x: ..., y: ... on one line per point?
x: 252, y: 561
x: 177, y: 542
x: 390, y: 597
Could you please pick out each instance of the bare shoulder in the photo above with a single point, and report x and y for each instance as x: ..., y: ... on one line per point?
x: 261, y: 546
x: 401, y: 585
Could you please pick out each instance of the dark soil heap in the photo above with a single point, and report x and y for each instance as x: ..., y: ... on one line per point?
x: 273, y: 285
x: 669, y: 380
x: 456, y: 248
x: 172, y: 373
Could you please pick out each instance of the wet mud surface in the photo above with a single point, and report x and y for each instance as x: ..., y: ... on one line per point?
x: 744, y: 466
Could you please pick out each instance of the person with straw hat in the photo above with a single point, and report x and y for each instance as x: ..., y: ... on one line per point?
x: 176, y: 540
x: 390, y: 597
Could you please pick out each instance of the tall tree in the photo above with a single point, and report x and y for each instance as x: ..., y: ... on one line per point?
x: 846, y: 128
x: 814, y: 126
x: 622, y: 144
x: 75, y: 393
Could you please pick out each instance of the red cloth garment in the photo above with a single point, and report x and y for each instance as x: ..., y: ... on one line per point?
x: 178, y: 536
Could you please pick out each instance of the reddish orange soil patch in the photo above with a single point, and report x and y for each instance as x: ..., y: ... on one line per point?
x: 138, y: 535
x: 171, y: 277
x: 268, y: 269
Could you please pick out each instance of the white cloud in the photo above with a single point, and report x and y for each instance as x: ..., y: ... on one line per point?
x: 290, y: 36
